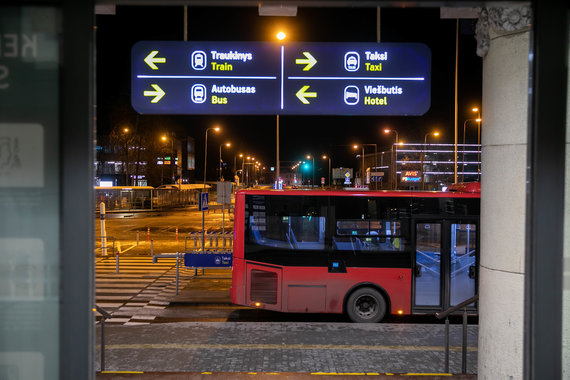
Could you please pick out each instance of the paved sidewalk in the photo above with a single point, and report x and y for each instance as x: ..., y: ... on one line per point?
x: 317, y: 348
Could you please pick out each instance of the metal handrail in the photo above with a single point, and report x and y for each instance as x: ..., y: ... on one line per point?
x: 453, y: 309
x: 105, y: 315
x: 445, y: 314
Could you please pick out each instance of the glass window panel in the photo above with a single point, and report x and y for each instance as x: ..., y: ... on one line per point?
x: 463, y: 262
x: 30, y: 192
x: 428, y: 264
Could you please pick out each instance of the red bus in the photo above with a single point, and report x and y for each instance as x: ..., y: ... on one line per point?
x: 363, y: 253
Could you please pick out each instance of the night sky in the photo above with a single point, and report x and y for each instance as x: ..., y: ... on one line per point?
x: 300, y: 135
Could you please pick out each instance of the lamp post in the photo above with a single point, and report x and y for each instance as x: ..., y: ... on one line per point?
x: 126, y: 162
x: 235, y: 167
x: 423, y: 156
x: 217, y: 129
x: 220, y: 163
x: 394, y: 156
x: 375, y: 161
x: 478, y: 120
x: 281, y: 37
x: 313, y: 169
x: 172, y: 159
x: 325, y: 157
x: 362, y: 171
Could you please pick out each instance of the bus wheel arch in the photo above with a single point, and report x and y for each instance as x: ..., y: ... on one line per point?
x: 366, y: 303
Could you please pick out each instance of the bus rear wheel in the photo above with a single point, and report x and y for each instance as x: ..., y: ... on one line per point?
x: 366, y: 305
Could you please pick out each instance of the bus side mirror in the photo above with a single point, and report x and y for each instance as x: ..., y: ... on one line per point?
x: 418, y: 272
x: 472, y: 271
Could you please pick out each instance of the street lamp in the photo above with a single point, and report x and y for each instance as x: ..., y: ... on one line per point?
x: 227, y: 145
x: 313, y: 168
x: 478, y: 120
x: 362, y: 172
x: 281, y: 37
x: 172, y: 159
x: 235, y: 167
x: 394, y: 156
x: 126, y: 162
x: 217, y: 129
x: 325, y: 157
x: 423, y: 155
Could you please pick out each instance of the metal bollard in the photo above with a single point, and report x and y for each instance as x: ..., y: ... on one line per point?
x: 117, y: 263
x: 464, y: 345
x: 446, y: 345
x: 217, y: 237
x: 177, y: 270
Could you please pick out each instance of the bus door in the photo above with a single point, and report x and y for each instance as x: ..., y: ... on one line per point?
x: 445, y: 264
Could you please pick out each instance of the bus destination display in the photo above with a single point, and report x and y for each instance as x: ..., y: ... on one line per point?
x: 176, y: 77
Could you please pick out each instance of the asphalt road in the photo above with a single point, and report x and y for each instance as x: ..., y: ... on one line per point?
x: 127, y: 228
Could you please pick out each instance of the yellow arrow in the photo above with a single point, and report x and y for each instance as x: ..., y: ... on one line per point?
x: 151, y: 60
x: 310, y: 61
x: 158, y: 94
x: 301, y: 94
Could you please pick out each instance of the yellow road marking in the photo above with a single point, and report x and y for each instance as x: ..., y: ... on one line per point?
x: 186, y: 346
x: 426, y: 374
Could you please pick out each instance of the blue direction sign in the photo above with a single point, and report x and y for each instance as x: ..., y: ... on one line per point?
x: 208, y: 260
x: 171, y: 77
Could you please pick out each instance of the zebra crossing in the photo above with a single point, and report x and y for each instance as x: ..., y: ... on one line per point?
x: 141, y: 289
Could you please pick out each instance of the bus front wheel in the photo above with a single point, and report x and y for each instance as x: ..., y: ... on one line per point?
x: 366, y: 305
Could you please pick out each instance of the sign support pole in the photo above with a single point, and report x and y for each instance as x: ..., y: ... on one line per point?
x: 277, y: 173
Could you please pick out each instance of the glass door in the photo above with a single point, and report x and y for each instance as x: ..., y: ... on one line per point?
x: 463, y: 262
x: 446, y: 262
x: 428, y: 265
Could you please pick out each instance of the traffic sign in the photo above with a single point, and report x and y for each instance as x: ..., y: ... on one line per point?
x: 208, y: 260
x: 177, y: 77
x: 203, y: 202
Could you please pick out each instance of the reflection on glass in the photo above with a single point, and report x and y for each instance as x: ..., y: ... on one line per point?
x: 463, y: 262
x: 428, y: 264
x: 292, y: 232
x: 368, y: 235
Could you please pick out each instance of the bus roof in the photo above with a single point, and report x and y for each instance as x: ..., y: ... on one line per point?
x: 365, y: 193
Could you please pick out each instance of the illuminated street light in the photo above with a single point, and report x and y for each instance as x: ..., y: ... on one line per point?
x: 313, y: 170
x: 362, y: 172
x: 126, y: 162
x: 394, y: 157
x: 478, y: 120
x: 281, y: 35
x: 220, y: 163
x: 424, y: 153
x: 325, y: 157
x: 216, y: 129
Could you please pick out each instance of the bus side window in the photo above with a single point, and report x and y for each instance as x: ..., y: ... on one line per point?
x: 369, y: 235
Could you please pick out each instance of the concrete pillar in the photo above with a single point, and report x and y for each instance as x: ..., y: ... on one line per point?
x: 503, y: 186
